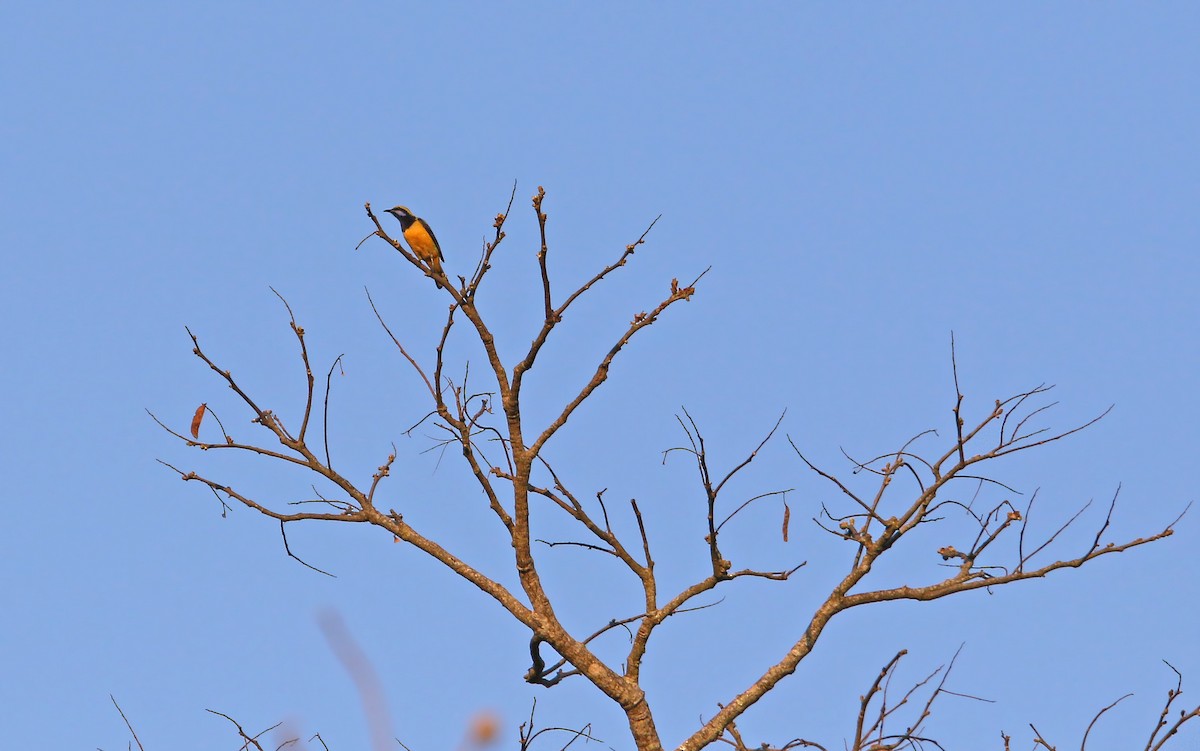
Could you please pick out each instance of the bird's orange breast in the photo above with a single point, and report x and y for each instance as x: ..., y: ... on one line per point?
x: 422, y: 243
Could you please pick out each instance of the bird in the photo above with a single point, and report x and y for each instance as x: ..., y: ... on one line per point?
x: 420, y: 238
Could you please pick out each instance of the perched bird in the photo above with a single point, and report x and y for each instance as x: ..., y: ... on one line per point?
x: 420, y: 238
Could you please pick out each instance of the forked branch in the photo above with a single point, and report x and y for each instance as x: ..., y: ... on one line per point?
x: 877, y: 522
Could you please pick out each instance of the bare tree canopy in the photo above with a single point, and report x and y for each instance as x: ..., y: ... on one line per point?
x: 940, y: 493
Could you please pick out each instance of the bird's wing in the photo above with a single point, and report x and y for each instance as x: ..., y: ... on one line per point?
x: 425, y: 226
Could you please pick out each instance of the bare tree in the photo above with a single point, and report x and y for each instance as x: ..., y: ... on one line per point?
x: 909, y: 493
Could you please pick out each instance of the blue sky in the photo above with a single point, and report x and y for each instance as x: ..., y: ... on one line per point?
x: 862, y: 181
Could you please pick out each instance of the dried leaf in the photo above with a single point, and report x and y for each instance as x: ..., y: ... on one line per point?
x: 196, y: 419
x: 787, y: 515
x: 485, y: 727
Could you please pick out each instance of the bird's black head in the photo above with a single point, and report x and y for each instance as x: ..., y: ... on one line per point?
x: 405, y: 217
